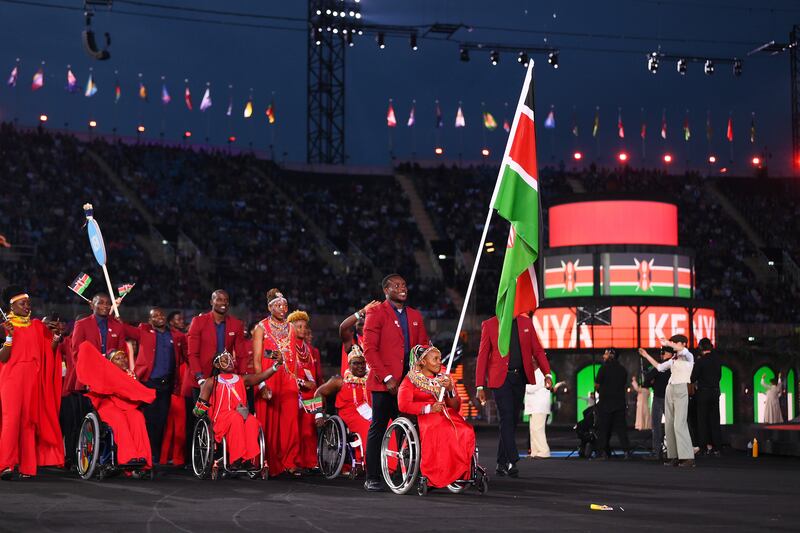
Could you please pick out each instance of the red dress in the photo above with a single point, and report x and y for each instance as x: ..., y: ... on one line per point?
x: 345, y: 364
x: 307, y: 370
x: 30, y: 394
x: 240, y: 433
x: 353, y: 394
x: 448, y: 442
x: 117, y: 396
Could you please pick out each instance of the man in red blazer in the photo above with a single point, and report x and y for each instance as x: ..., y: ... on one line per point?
x: 507, y: 377
x: 161, y: 352
x: 390, y: 330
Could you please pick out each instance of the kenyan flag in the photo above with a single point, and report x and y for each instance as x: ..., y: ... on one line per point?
x: 517, y: 201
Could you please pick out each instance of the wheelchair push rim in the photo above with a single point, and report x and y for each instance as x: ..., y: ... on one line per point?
x: 408, y: 455
x: 332, y: 447
x: 88, y: 447
x: 202, y: 449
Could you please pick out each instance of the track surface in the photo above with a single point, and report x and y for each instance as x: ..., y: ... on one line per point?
x: 734, y: 493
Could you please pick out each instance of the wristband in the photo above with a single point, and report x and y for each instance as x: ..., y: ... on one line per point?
x: 318, y: 416
x: 201, y: 381
x: 357, y: 315
x: 261, y: 385
x: 275, y: 367
x: 480, y: 387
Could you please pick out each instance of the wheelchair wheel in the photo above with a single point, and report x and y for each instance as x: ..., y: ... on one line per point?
x: 332, y: 447
x: 460, y: 486
x: 88, y: 449
x: 202, y: 448
x: 408, y: 455
x: 263, y: 471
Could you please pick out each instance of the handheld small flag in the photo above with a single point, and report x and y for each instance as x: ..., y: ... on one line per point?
x: 91, y: 87
x: 391, y: 120
x: 620, y: 126
x: 187, y: 97
x: 729, y: 133
x: 38, y: 80
x: 124, y: 289
x: 596, y: 124
x: 248, y: 108
x: 664, y: 124
x: 488, y: 121
x: 460, y: 121
x: 165, y: 97
x: 12, y: 78
x: 550, y: 121
x: 271, y: 112
x: 411, y: 114
x: 439, y: 121
x: 72, y: 81
x: 80, y: 284
x: 205, y: 103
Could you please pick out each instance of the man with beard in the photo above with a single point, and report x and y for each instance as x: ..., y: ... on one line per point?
x: 351, y: 332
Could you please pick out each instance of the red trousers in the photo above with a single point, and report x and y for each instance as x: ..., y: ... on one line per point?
x: 173, y: 447
x: 18, y: 437
x: 240, y: 435
x: 130, y: 431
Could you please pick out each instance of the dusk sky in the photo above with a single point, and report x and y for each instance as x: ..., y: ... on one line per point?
x: 602, y: 63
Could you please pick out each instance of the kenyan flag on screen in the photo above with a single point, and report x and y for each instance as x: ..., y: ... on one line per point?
x: 517, y: 201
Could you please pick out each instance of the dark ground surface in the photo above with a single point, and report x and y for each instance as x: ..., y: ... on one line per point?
x: 734, y: 493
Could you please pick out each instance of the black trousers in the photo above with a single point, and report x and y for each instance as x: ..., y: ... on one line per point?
x: 384, y: 408
x: 509, y: 399
x: 155, y: 414
x: 708, y: 430
x: 74, y: 408
x: 608, y: 422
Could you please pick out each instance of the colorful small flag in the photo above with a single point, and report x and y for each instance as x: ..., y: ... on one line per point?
x: 80, y: 283
x: 142, y: 91
x: 709, y: 130
x: 38, y: 80
x: 187, y: 97
x: 664, y: 124
x: 620, y: 126
x: 506, y: 125
x: 488, y: 121
x: 460, y: 122
x: 596, y: 124
x: 687, y: 132
x: 165, y: 97
x: 271, y: 112
x: 411, y: 114
x: 117, y: 92
x: 12, y: 78
x: 729, y: 133
x: 439, y: 121
x: 753, y: 127
x: 72, y: 81
x: 248, y: 108
x: 91, y: 87
x: 574, y: 123
x: 205, y: 103
x: 550, y: 121
x: 124, y: 289
x: 643, y: 132
x: 391, y: 120
x: 229, y: 112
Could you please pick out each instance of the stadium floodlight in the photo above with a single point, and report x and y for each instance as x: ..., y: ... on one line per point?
x: 756, y: 161
x: 438, y: 150
x: 494, y: 57
x: 413, y: 42
x: 709, y: 67
x: 622, y: 156
x: 712, y: 159
x: 485, y: 152
x: 682, y: 65
x: 577, y: 156
x: 522, y: 58
x: 42, y: 118
x: 552, y: 58
x: 652, y: 62
x: 667, y: 158
x: 92, y: 124
x: 381, y: 41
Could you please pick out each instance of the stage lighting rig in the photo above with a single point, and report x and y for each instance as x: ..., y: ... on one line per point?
x: 552, y: 58
x: 87, y: 36
x: 413, y: 42
x: 523, y: 59
x: 682, y: 64
x: 652, y: 62
x: 381, y: 38
x: 737, y: 67
x: 708, y: 68
x: 494, y: 57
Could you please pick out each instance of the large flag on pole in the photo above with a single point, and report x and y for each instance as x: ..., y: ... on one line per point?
x: 518, y: 202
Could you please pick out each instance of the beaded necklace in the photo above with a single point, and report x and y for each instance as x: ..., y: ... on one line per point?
x: 423, y: 382
x: 355, y: 383
x: 19, y: 321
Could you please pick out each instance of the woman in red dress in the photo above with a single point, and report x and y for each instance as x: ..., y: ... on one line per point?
x: 307, y: 374
x: 448, y: 442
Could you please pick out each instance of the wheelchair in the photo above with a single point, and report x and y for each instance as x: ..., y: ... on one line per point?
x: 406, y: 474
x: 210, y: 460
x: 335, y: 446
x: 96, y: 452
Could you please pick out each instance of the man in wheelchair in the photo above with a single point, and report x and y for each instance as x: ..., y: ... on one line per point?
x: 116, y: 396
x: 223, y: 398
x: 446, y: 439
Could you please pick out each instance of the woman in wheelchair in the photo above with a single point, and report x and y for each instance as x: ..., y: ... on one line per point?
x: 117, y: 396
x: 447, y: 441
x: 224, y: 399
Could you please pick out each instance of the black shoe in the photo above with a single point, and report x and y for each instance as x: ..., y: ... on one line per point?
x: 373, y: 485
x: 501, y: 470
x: 7, y: 474
x: 686, y: 463
x: 513, y: 471
x: 671, y: 462
x: 713, y: 452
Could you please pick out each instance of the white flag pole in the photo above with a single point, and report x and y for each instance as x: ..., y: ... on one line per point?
x: 509, y: 142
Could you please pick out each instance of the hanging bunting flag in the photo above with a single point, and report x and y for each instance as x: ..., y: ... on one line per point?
x: 596, y: 125
x: 439, y: 121
x: 38, y: 80
x: 729, y: 133
x: 229, y: 112
x: 488, y: 121
x: 643, y: 132
x: 165, y: 97
x: 391, y: 120
x: 574, y: 122
x: 12, y: 78
x: 117, y: 88
x: 687, y: 133
x: 271, y: 112
x: 248, y: 108
x: 664, y: 124
x: 620, y: 126
x: 753, y: 127
x: 411, y: 114
x: 72, y: 81
x: 506, y: 123
x: 550, y: 121
x: 187, y: 96
x: 460, y: 122
x: 142, y: 88
x: 205, y: 103
x: 91, y: 87
x: 709, y: 131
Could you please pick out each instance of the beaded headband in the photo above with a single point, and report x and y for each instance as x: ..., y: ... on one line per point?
x: 420, y: 352
x: 220, y: 355
x: 355, y: 353
x: 278, y: 297
x: 18, y: 297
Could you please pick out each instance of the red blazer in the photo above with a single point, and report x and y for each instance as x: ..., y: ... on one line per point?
x: 146, y: 357
x: 383, y: 343
x: 492, y: 367
x: 202, y: 346
x: 86, y: 329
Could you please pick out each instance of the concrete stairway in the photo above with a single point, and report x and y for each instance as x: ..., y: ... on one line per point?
x: 425, y: 258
